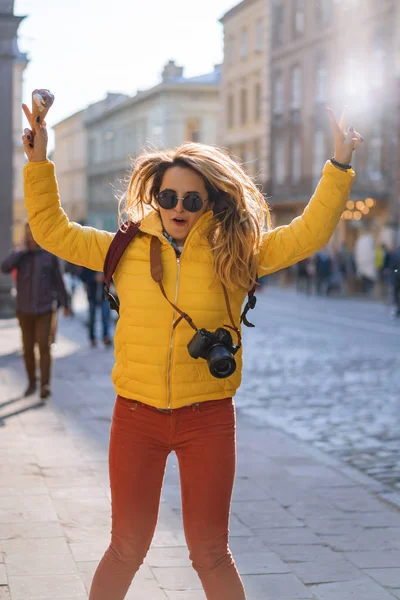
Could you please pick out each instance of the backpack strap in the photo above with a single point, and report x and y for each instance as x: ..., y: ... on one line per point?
x: 119, y: 244
x: 250, y: 304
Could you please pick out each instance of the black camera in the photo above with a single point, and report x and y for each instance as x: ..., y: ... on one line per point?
x: 217, y: 348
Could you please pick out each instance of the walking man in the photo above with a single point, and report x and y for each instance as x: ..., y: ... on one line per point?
x: 39, y: 286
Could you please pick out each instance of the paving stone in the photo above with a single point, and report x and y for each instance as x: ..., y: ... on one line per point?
x: 187, y: 595
x: 365, y: 589
x: 281, y: 536
x: 27, y: 563
x: 3, y: 575
x: 48, y: 586
x: 374, y: 559
x: 275, y: 587
x: 168, y: 557
x: 145, y: 590
x: 179, y: 578
x: 326, y: 571
x: 304, y: 553
x: 259, y: 563
x: 30, y: 529
x: 56, y: 545
x: 388, y: 577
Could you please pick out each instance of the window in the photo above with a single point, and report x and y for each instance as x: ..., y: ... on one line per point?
x: 319, y: 154
x: 193, y: 130
x: 298, y: 18
x: 278, y: 94
x: 323, y: 11
x: 257, y: 102
x: 296, y: 161
x: 279, y: 162
x: 230, y: 50
x: 259, y: 41
x: 278, y: 23
x: 296, y: 88
x: 321, y: 81
x: 378, y: 62
x: 244, y: 43
x: 231, y: 111
x: 243, y: 107
x: 257, y: 157
x: 351, y: 80
x: 375, y: 157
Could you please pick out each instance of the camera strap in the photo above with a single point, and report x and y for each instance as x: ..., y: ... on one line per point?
x: 156, y: 270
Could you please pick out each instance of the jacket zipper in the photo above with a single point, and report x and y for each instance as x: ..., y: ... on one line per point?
x: 178, y: 263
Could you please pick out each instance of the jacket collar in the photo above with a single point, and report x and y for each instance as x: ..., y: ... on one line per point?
x: 152, y: 225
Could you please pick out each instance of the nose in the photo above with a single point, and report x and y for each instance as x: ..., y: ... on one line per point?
x: 179, y: 207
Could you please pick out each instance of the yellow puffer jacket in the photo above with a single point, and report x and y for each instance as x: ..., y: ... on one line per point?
x: 152, y: 363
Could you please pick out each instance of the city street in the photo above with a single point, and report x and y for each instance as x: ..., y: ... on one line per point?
x: 316, y: 508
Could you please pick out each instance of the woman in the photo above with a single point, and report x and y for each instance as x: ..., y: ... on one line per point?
x: 208, y: 219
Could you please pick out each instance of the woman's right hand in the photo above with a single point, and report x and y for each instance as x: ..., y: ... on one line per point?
x: 35, y: 139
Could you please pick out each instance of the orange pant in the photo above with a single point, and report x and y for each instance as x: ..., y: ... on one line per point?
x: 203, y: 437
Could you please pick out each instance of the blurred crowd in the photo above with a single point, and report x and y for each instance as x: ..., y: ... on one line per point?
x: 371, y: 269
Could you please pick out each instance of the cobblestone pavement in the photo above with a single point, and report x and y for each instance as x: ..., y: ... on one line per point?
x: 304, y: 525
x: 328, y: 371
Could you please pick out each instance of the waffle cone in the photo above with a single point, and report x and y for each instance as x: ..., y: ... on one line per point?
x: 42, y: 101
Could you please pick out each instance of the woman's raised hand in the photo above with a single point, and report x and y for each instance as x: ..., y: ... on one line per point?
x: 35, y: 139
x: 346, y: 139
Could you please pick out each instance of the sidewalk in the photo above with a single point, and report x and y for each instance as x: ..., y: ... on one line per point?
x: 303, y: 526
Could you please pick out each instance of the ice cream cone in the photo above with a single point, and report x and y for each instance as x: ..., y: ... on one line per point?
x: 42, y: 101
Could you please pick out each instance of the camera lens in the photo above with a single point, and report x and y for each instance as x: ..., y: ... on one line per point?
x: 221, y: 362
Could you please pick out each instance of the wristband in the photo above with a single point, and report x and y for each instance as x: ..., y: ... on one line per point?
x: 340, y: 165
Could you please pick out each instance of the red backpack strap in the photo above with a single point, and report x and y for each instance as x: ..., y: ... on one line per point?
x: 250, y: 304
x: 119, y: 244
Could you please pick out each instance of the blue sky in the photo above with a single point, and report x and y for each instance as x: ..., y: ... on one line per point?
x: 80, y: 49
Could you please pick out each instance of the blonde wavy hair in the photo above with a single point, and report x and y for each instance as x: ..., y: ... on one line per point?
x: 241, y: 213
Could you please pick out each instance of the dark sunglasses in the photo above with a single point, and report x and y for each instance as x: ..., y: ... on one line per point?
x: 192, y: 201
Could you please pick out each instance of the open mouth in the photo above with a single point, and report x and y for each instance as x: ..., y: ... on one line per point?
x: 178, y: 221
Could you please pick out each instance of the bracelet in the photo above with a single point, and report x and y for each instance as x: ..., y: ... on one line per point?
x: 340, y: 165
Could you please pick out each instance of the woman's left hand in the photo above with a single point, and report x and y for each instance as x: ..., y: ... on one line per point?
x: 346, y: 139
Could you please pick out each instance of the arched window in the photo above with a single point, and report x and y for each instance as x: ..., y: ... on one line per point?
x: 319, y: 154
x: 321, y: 81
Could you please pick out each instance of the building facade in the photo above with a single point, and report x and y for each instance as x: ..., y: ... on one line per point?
x: 178, y: 109
x: 19, y: 159
x: 245, y: 91
x: 9, y: 24
x: 307, y: 76
x: 70, y: 157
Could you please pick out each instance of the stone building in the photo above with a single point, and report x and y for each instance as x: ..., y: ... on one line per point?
x: 178, y: 109
x: 9, y: 54
x: 307, y: 75
x: 245, y: 90
x: 70, y: 158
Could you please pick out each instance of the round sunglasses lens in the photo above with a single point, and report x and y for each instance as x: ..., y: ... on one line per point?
x: 193, y: 202
x: 167, y: 199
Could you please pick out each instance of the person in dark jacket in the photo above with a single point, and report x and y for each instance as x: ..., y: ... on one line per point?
x: 39, y: 286
x: 94, y: 283
x: 394, y: 266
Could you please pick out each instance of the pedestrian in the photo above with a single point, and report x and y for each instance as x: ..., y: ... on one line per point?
x: 200, y: 246
x: 323, y: 271
x: 71, y: 280
x: 394, y: 267
x: 40, y: 287
x: 365, y: 259
x: 304, y: 276
x: 94, y: 284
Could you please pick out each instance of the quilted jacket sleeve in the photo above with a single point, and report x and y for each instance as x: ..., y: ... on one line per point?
x: 51, y: 228
x: 305, y: 235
